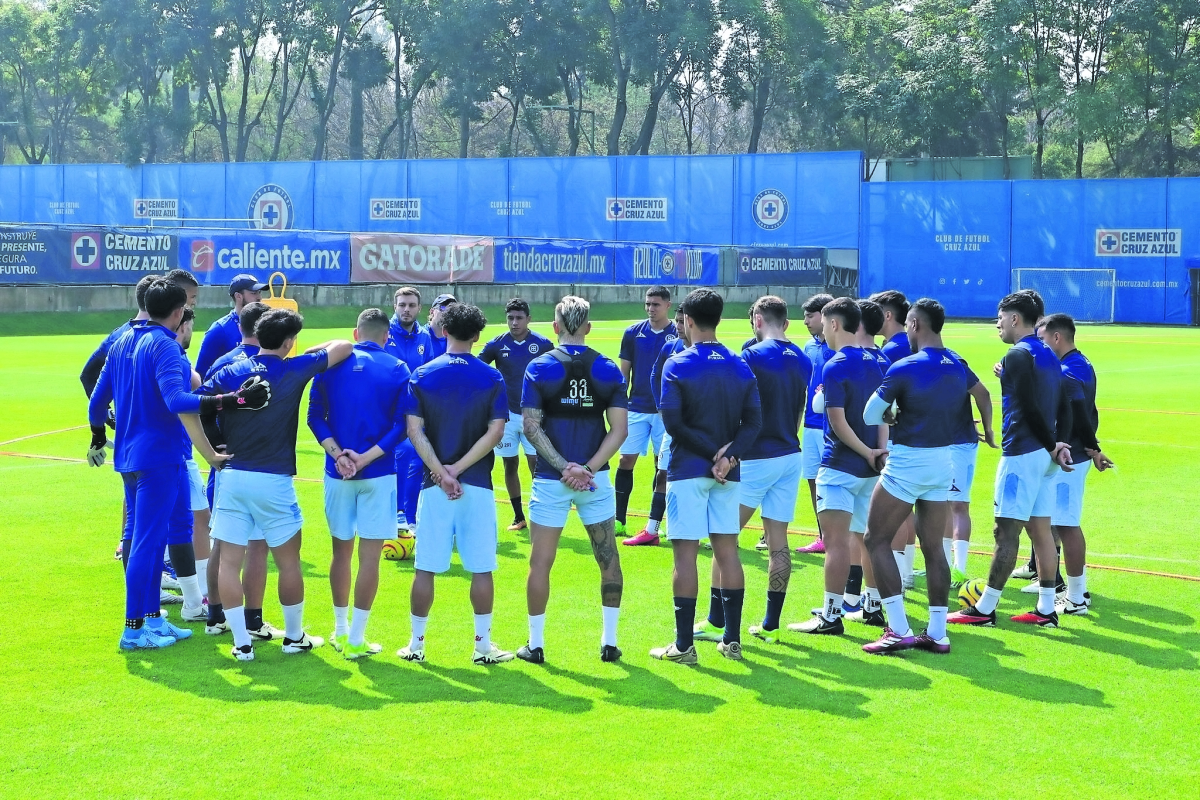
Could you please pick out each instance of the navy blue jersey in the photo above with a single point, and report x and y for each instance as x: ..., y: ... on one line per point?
x: 656, y: 372
x: 783, y: 373
x: 884, y: 361
x: 457, y: 396
x: 1086, y: 419
x: 640, y: 346
x: 709, y: 399
x: 818, y: 353
x: 265, y: 440
x: 437, y: 345
x: 511, y: 358
x: 223, y: 335
x: 897, y: 347
x: 573, y: 406
x: 414, y: 347
x: 359, y: 403
x: 239, y: 353
x: 929, y: 388
x: 849, y: 379
x: 1031, y: 384
x: 95, y: 362
x: 746, y: 345
x: 147, y: 378
x: 964, y: 422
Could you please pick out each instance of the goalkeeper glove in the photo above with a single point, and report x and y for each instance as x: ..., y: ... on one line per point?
x: 95, y: 453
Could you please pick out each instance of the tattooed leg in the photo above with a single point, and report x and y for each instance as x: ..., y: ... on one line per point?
x: 1004, y: 557
x: 781, y: 555
x: 604, y: 547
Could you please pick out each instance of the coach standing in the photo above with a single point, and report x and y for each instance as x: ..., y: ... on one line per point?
x: 225, y: 334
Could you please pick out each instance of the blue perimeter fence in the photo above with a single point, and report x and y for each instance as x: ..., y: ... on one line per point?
x: 781, y: 219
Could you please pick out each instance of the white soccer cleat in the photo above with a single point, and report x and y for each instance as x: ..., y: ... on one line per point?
x: 303, y: 644
x: 494, y: 655
x: 196, y: 614
x: 166, y: 598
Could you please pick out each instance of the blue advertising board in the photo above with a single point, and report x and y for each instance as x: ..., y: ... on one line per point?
x: 102, y: 255
x: 785, y: 266
x: 553, y: 261
x: 648, y: 263
x: 216, y: 256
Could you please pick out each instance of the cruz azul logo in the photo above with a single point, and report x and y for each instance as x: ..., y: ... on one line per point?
x: 85, y: 251
x: 270, y: 209
x: 1145, y: 242
x: 770, y: 209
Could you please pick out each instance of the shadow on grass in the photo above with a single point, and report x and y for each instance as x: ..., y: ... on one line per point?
x: 781, y: 690
x: 641, y: 688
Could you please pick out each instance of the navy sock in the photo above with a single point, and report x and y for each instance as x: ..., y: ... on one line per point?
x: 254, y: 619
x: 518, y: 512
x: 716, y: 611
x: 685, y: 618
x: 774, y: 610
x: 623, y: 486
x: 216, y: 613
x: 658, y: 506
x: 731, y: 599
x: 854, y: 582
x: 183, y: 559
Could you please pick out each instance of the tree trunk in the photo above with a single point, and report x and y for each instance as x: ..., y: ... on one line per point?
x: 641, y: 147
x: 762, y: 93
x: 355, y: 143
x: 1004, y: 146
x: 1041, y: 145
x: 1079, y: 156
x: 464, y: 130
x: 621, y: 73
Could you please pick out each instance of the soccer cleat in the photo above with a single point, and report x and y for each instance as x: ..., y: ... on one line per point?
x: 816, y: 547
x: 705, y: 631
x: 243, y: 653
x: 303, y: 644
x: 1064, y: 605
x: 165, y: 628
x: 168, y: 581
x: 673, y: 653
x: 619, y: 527
x: 534, y: 655
x: 266, y: 633
x: 918, y: 573
x: 494, y: 655
x: 643, y: 538
x: 339, y: 642
x: 197, y: 614
x: 610, y: 653
x: 762, y: 543
x: 145, y: 639
x: 973, y: 616
x: 1024, y: 572
x: 166, y: 598
x: 957, y: 578
x: 869, y: 616
x: 353, y: 652
x: 850, y: 609
x: 890, y: 642
x: 408, y: 654
x: 731, y: 650
x: 770, y: 637
x: 927, y: 642
x: 1033, y: 587
x: 518, y: 525
x: 1036, y: 617
x: 217, y: 629
x: 819, y: 625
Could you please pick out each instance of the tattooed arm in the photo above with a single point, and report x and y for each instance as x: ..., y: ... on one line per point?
x: 574, y: 475
x: 420, y: 442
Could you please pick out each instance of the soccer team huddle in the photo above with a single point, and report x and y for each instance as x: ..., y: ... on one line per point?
x: 411, y: 421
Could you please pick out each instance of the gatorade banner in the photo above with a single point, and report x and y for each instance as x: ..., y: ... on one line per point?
x: 216, y: 256
x: 417, y: 258
x: 786, y: 266
x: 100, y: 256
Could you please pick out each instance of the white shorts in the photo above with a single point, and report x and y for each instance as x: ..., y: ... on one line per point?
x: 772, y: 483
x: 918, y: 473
x: 697, y: 507
x: 812, y: 445
x: 644, y: 429
x: 841, y: 491
x: 664, y: 452
x: 199, y: 498
x: 514, y: 437
x: 1068, y: 496
x: 467, y: 525
x: 256, y: 505
x: 551, y: 502
x: 365, y: 507
x: 1025, y: 486
x: 962, y: 471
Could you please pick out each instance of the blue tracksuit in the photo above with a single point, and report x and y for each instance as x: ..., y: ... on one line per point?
x: 415, y: 348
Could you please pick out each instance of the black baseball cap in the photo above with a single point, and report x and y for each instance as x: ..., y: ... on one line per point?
x: 245, y: 283
x: 444, y: 300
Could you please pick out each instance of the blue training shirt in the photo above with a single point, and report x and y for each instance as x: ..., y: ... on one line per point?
x: 656, y: 372
x: 458, y: 396
x: 897, y: 347
x: 437, y: 345
x: 413, y: 347
x: 573, y: 407
x: 512, y: 358
x: 849, y: 380
x: 265, y: 440
x: 709, y: 399
x: 929, y: 388
x: 783, y: 373
x: 95, y: 362
x: 239, y: 353
x: 965, y: 431
x: 360, y: 404
x: 147, y: 379
x: 1079, y: 370
x: 222, y: 336
x: 1030, y: 384
x: 640, y: 346
x: 818, y: 353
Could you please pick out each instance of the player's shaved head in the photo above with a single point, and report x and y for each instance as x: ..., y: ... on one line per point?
x: 704, y: 306
x: 164, y: 298
x: 463, y: 321
x: 846, y: 311
x: 139, y: 293
x: 1062, y: 324
x: 249, y: 316
x: 182, y: 277
x: 276, y: 326
x: 572, y: 313
x: 893, y: 301
x: 931, y: 312
x: 772, y: 309
x: 814, y: 304
x: 872, y: 317
x: 372, y: 326
x: 1026, y: 303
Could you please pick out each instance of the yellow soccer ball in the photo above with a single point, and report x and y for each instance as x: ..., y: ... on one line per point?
x: 971, y: 591
x: 400, y: 549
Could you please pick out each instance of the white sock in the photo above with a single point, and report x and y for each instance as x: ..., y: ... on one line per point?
x: 988, y: 602
x: 851, y: 599
x: 902, y: 565
x: 611, y: 615
x: 872, y: 597
x: 652, y: 525
x: 1075, y: 589
x: 202, y: 575
x: 358, y: 626
x: 833, y: 606
x: 417, y: 642
x: 910, y: 555
x: 483, y: 633
x: 293, y: 621
x: 190, y: 586
x: 341, y: 620
x: 1083, y: 581
x: 948, y: 549
x: 937, y: 621
x: 893, y: 607
x: 960, y: 554
x: 1045, y: 603
x: 236, y: 617
x: 537, y: 631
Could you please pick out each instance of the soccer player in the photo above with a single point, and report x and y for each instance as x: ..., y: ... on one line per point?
x: 963, y: 452
x: 568, y: 395
x: 511, y: 352
x: 436, y: 329
x: 929, y: 389
x: 356, y: 412
x: 851, y: 459
x: 188, y: 545
x: 256, y: 495
x: 146, y: 379
x: 410, y: 342
x: 678, y: 345
x: 456, y: 410
x: 247, y: 319
x: 711, y: 408
x: 1057, y: 331
x: 895, y: 311
x: 640, y: 347
x: 1037, y: 423
x: 224, y: 334
x: 812, y: 442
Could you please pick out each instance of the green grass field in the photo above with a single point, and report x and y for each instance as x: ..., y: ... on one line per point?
x: 1106, y: 706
